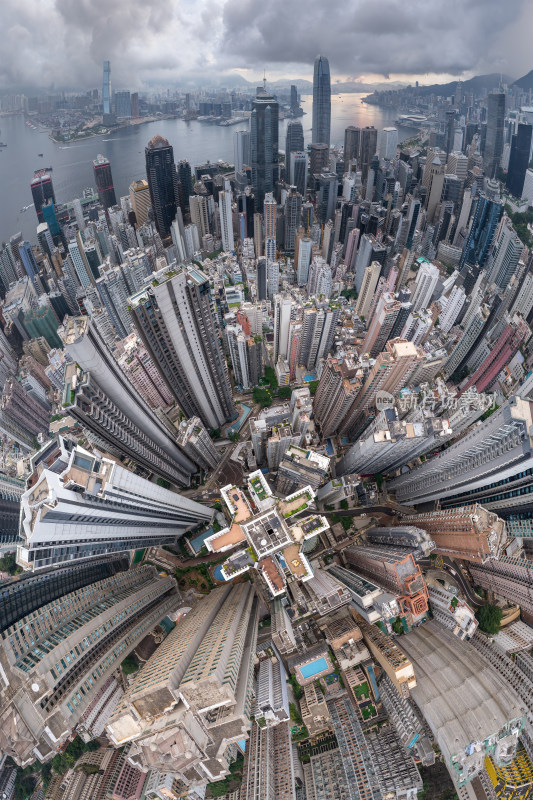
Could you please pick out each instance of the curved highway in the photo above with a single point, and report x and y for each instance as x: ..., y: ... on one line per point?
x: 455, y: 572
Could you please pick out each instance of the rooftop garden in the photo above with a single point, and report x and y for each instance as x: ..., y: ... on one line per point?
x: 368, y: 712
x: 361, y: 690
x: 259, y: 489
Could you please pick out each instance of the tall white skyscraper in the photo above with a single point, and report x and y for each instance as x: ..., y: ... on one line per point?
x: 241, y: 150
x: 270, y: 216
x: 388, y: 143
x: 305, y: 251
x: 272, y: 278
x: 95, y: 507
x: 226, y: 221
x: 426, y: 280
x: 79, y: 259
x: 282, y: 318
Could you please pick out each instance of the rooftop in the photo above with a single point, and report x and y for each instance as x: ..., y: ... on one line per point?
x: 267, y: 533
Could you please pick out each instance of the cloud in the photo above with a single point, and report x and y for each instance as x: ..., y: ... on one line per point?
x: 62, y: 43
x: 387, y: 36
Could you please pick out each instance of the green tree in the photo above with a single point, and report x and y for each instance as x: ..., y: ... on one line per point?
x: 8, y: 563
x: 93, y: 745
x: 349, y: 294
x: 129, y: 665
x: 397, y: 626
x: 61, y: 763
x: 489, y: 618
x: 262, y: 396
x: 89, y: 769
x: 295, y: 714
x: 214, y: 433
x: 344, y: 504
x: 313, y: 386
x: 270, y: 375
x: 164, y: 483
x: 459, y: 375
x: 284, y: 392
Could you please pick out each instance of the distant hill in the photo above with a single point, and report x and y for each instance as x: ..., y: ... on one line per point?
x: 475, y: 84
x: 525, y: 82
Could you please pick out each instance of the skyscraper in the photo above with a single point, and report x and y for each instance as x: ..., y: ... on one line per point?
x: 11, y: 491
x: 352, y: 143
x: 321, y: 102
x: 99, y: 395
x: 175, y: 321
x: 369, y: 146
x: 388, y: 143
x: 226, y: 219
x: 292, y: 214
x: 495, y: 133
x: 467, y: 532
x: 140, y: 200
x: 104, y: 181
x: 270, y: 222
x: 264, y: 139
x: 450, y: 131
x: 294, y: 142
x: 42, y: 190
x: 162, y: 181
x: 492, y: 463
x: 185, y: 184
x: 199, y: 683
x: 106, y: 89
x: 484, y: 224
x: 241, y: 150
x: 269, y: 764
x: 519, y: 159
x: 393, y: 568
x: 295, y: 107
x: 298, y: 171
x: 59, y: 656
x: 327, y: 196
x: 20, y: 596
x: 119, y: 511
x: 123, y: 105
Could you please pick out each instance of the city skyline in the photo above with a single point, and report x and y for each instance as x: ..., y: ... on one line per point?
x: 266, y: 426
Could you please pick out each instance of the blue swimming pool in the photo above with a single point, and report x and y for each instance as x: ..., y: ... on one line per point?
x: 309, y: 377
x: 237, y: 425
x: 198, y: 542
x: 217, y: 572
x: 329, y: 447
x: 314, y: 667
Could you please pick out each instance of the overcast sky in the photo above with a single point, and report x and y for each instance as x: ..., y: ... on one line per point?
x: 62, y: 43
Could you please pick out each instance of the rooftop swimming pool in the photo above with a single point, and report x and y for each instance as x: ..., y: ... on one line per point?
x: 217, y: 572
x: 309, y: 377
x: 198, y: 542
x: 237, y: 425
x: 314, y: 667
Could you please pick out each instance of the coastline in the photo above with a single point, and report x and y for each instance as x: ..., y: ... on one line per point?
x: 111, y: 130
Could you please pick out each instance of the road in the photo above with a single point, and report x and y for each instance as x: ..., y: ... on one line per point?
x: 455, y: 572
x: 367, y: 511
x: 156, y: 553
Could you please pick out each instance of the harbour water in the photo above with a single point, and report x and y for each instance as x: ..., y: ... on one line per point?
x: 195, y: 141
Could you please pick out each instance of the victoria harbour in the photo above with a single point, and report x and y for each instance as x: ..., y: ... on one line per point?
x: 195, y: 141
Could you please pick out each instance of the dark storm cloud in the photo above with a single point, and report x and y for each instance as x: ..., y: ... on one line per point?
x: 62, y: 43
x: 387, y: 36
